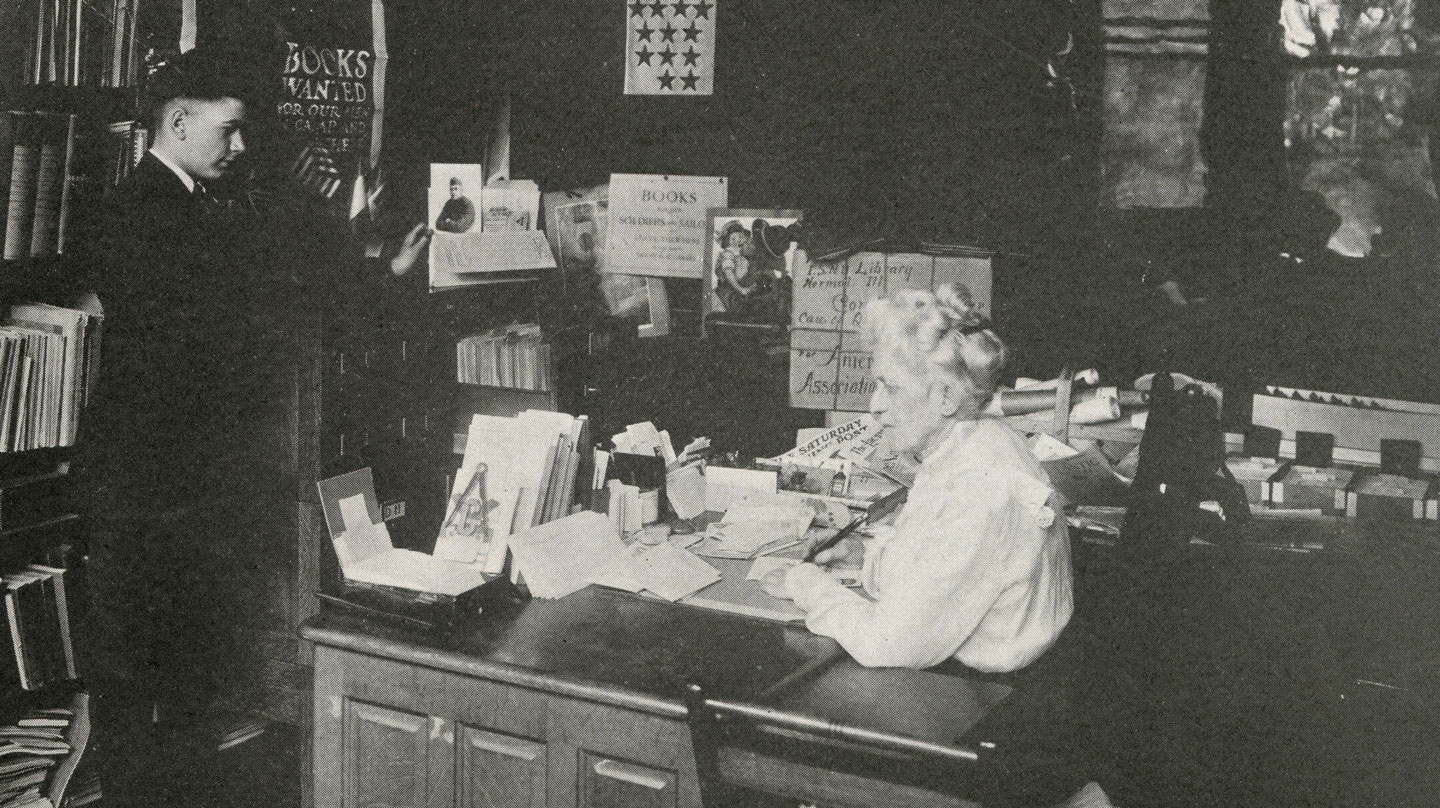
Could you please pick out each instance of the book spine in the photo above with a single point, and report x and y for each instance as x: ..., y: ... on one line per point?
x: 14, y: 614
x: 8, y: 124
x: 25, y: 165
x: 12, y: 673
x: 49, y: 182
x: 67, y: 185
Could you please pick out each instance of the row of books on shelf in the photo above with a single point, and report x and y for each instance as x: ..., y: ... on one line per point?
x: 79, y: 42
x: 37, y: 150
x: 49, y: 358
x: 514, y: 356
x: 39, y: 753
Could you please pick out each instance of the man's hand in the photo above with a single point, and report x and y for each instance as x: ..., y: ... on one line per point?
x: 410, y: 249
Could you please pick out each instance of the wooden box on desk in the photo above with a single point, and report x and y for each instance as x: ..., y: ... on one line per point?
x: 1377, y: 495
x: 1312, y: 487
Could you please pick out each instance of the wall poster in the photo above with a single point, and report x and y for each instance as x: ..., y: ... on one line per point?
x: 829, y: 368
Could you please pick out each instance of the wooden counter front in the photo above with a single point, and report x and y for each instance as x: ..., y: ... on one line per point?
x: 578, y: 701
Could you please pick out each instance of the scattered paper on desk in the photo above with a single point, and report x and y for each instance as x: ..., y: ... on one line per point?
x: 670, y: 572
x: 723, y: 485
x: 795, y: 517
x: 862, y: 430
x: 1086, y: 478
x: 1046, y: 448
x: 764, y: 565
x: 561, y: 557
x: 685, y: 488
x: 693, y: 450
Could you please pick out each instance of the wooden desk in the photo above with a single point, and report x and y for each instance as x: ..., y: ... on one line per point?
x: 579, y: 702
x: 1233, y: 675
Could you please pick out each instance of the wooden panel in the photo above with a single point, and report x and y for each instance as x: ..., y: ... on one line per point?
x: 582, y: 735
x: 312, y: 536
x: 500, y: 771
x: 825, y: 787
x: 386, y: 757
x: 610, y: 783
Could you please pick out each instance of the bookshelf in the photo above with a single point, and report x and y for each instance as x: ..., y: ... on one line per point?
x: 66, y: 70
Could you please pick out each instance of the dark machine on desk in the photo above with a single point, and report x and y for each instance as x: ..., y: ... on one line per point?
x: 1182, y: 469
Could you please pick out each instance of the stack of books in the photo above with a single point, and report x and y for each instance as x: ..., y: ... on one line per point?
x: 78, y: 42
x: 49, y: 357
x: 39, y: 753
x: 36, y: 153
x: 505, y: 357
x: 37, y: 620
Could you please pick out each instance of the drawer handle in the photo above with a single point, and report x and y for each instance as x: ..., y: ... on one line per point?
x: 635, y: 775
x: 503, y: 744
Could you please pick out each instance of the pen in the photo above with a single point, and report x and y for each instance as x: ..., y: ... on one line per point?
x: 835, y: 539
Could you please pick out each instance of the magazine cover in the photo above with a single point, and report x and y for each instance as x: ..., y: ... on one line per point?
x: 749, y: 264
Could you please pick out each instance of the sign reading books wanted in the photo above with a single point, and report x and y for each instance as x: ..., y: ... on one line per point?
x: 658, y: 223
x: 670, y: 48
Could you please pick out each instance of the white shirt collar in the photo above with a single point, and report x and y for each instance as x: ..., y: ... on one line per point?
x: 179, y: 172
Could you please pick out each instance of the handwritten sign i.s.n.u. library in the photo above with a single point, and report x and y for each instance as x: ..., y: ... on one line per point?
x: 829, y: 366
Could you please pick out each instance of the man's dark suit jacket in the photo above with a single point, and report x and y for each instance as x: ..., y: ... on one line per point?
x: 177, y: 278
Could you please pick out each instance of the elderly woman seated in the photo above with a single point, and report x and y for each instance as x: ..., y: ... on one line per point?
x: 977, y: 564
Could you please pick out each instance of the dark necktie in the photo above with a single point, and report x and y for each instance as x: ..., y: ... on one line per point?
x: 202, y: 196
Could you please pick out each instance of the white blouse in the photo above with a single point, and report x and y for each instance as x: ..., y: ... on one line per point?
x: 976, y: 567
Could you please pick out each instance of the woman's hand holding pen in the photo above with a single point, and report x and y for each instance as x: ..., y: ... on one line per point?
x: 848, y: 554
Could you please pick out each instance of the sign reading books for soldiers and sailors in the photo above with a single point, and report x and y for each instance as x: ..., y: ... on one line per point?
x: 670, y: 47
x: 657, y: 223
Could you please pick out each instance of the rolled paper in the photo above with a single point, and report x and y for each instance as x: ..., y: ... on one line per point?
x: 1025, y: 402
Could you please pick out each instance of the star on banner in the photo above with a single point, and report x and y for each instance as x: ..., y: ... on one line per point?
x: 686, y: 63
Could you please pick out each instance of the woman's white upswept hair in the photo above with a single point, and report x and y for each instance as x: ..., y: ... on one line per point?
x: 938, y: 331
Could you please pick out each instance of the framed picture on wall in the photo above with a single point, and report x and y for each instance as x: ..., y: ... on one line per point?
x: 749, y: 266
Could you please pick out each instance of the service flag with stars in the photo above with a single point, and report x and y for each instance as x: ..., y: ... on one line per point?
x: 670, y: 47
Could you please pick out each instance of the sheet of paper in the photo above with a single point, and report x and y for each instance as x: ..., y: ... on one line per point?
x: 723, y: 485
x: 1086, y: 478
x: 509, y: 205
x: 685, y: 488
x: 408, y: 569
x: 764, y: 565
x: 746, y: 539
x: 559, y: 557
x: 796, y: 515
x: 1046, y: 448
x: 672, y: 573
x: 832, y: 440
x: 465, y: 535
x: 362, y: 539
x: 658, y: 223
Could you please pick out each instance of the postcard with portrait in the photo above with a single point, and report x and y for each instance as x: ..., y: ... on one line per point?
x: 455, y: 197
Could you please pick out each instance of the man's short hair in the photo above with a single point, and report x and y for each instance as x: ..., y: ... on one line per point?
x: 208, y: 74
